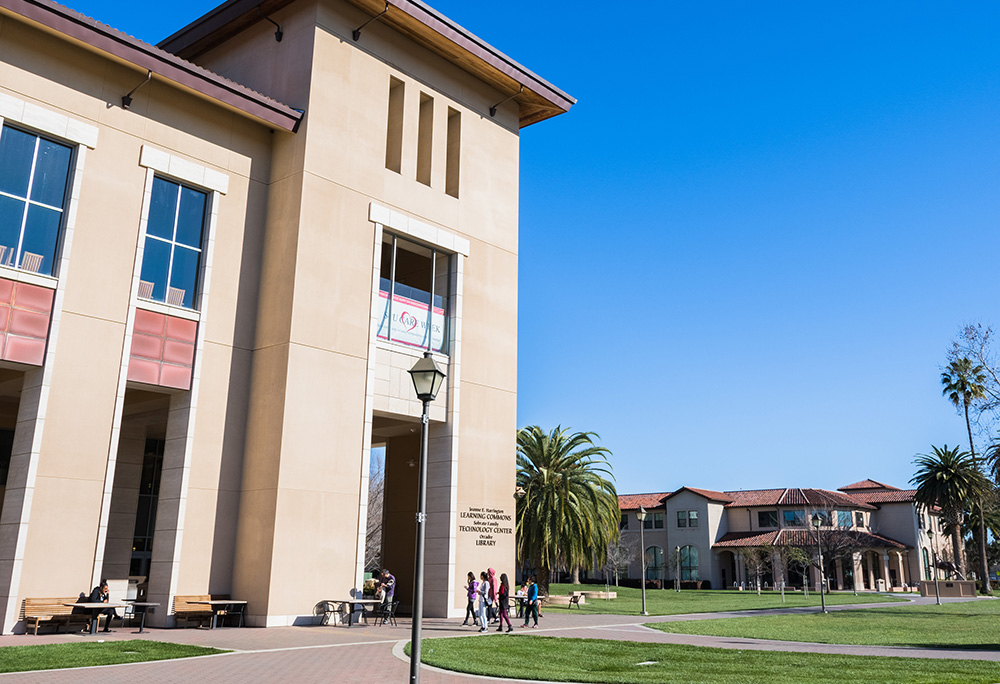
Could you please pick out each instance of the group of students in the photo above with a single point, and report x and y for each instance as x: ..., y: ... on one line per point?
x: 489, y: 600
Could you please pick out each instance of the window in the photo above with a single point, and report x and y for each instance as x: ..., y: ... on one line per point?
x: 413, y: 287
x: 34, y: 175
x: 794, y: 518
x: 689, y: 563
x: 825, y: 518
x: 687, y: 518
x: 653, y: 520
x: 623, y: 524
x: 927, y: 565
x: 145, y: 513
x: 859, y: 519
x: 844, y: 518
x: 767, y: 518
x: 171, y: 256
x: 655, y: 565
x: 6, y: 450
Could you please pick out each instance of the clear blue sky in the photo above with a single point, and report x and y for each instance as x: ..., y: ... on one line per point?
x: 743, y: 254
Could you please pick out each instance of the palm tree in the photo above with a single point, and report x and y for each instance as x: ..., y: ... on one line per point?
x: 568, y: 513
x: 963, y: 383
x: 949, y: 478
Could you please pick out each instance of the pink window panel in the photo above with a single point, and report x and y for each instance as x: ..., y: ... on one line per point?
x: 25, y: 314
x: 162, y: 350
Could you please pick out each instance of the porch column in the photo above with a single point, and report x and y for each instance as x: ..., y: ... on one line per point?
x: 778, y: 570
x: 901, y: 569
x: 859, y: 571
x: 871, y: 570
x: 741, y: 572
x: 840, y: 573
x: 885, y: 567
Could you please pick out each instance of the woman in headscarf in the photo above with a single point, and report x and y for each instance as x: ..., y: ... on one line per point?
x: 492, y: 577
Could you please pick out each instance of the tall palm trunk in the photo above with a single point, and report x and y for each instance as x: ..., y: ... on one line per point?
x: 984, y: 568
x: 956, y: 546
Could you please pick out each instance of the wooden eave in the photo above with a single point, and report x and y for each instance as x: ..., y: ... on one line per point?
x: 537, y: 99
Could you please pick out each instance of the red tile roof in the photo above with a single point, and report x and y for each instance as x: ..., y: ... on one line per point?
x: 630, y: 502
x: 793, y: 497
x: 803, y: 538
x: 865, y: 484
x: 709, y: 494
x: 890, y: 496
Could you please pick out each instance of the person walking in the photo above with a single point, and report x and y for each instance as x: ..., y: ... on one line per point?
x: 491, y: 577
x: 484, y: 593
x: 503, y: 603
x: 470, y: 592
x: 531, y: 606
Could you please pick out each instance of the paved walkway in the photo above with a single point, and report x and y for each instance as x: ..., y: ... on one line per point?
x: 374, y: 654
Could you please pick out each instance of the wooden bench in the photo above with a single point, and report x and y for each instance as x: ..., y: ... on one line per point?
x: 54, y: 611
x: 187, y: 608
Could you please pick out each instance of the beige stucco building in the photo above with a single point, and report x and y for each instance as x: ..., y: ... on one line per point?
x: 875, y: 536
x: 218, y: 258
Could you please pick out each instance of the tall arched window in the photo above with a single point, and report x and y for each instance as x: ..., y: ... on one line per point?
x: 689, y: 563
x: 655, y: 565
x: 927, y: 565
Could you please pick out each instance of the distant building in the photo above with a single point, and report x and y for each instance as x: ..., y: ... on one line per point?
x: 219, y: 256
x: 876, y: 536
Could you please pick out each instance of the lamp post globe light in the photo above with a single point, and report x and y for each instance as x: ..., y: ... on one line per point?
x: 641, y: 515
x: 817, y: 521
x: 427, y: 379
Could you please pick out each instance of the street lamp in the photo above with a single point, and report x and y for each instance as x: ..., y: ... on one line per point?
x: 427, y: 379
x: 817, y: 521
x: 641, y: 515
x: 937, y: 586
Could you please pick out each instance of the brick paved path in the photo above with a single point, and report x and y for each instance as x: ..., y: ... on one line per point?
x: 374, y: 654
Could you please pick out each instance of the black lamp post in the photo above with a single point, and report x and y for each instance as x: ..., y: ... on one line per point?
x: 817, y: 521
x: 641, y: 515
x: 427, y: 379
x: 937, y: 585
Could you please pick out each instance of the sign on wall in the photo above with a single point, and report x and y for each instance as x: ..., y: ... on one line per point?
x: 410, y: 322
x: 485, y: 525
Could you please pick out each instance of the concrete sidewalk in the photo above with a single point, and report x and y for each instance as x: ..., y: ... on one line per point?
x: 365, y: 653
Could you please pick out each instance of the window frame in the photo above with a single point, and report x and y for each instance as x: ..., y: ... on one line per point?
x: 690, y: 572
x: 793, y: 518
x: 174, y: 243
x: 446, y: 298
x: 763, y: 526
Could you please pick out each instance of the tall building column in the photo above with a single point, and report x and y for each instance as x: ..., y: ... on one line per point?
x: 839, y: 565
x: 170, y: 509
x: 18, y: 495
x: 871, y: 570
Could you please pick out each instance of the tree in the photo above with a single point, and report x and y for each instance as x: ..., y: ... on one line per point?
x: 757, y: 560
x: 949, y: 478
x: 963, y: 383
x: 619, y: 554
x: 569, y: 515
x: 376, y: 497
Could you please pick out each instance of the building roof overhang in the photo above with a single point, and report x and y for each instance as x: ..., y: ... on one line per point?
x: 92, y: 35
x: 803, y: 538
x: 537, y: 98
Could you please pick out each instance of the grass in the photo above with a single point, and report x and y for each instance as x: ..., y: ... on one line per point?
x: 969, y: 625
x: 59, y: 656
x: 595, y: 660
x: 670, y: 602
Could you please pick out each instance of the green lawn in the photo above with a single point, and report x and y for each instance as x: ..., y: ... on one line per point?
x: 58, y: 656
x: 670, y: 602
x: 973, y: 625
x: 594, y: 660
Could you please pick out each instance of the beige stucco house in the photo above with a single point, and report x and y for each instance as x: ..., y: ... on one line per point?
x: 218, y: 258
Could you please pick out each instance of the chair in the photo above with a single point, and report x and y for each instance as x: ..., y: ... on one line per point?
x: 145, y: 289
x: 386, y: 612
x: 31, y: 262
x: 175, y: 296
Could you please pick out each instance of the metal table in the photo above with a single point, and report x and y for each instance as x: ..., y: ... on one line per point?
x: 223, y: 602
x: 351, y: 603
x: 144, y: 605
x: 95, y: 608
